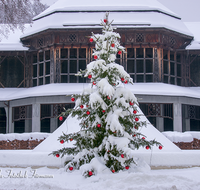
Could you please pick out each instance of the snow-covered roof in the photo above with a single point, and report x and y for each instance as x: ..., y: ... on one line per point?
x: 12, y: 42
x: 194, y: 27
x: 66, y: 14
x: 76, y: 88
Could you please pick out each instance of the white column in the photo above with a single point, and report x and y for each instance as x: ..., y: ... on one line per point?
x: 177, y: 116
x: 36, y: 118
x: 160, y: 124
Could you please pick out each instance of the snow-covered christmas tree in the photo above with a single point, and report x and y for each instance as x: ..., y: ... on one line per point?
x: 108, y: 111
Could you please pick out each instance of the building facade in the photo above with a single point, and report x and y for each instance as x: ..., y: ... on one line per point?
x: 159, y: 50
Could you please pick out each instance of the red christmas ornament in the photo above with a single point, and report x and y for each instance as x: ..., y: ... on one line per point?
x: 95, y: 57
x: 89, y: 76
x: 71, y: 168
x: 136, y: 127
x: 125, y: 81
x: 87, y: 106
x: 105, y: 20
x: 62, y: 141
x: 134, y: 111
x: 94, y: 83
x: 72, y: 99
x: 119, y: 52
x: 57, y: 155
x: 122, y: 155
x: 113, y: 171
x: 81, y: 106
x: 160, y: 147
x: 134, y: 135
x: 136, y: 119
x: 112, y: 45
x: 127, y: 167
x: 60, y: 118
x: 88, y: 113
x: 131, y: 103
x: 103, y: 111
x: 108, y: 97
x: 147, y: 147
x: 122, y: 79
x: 98, y: 125
x: 143, y: 137
x: 91, y: 39
x: 71, y: 139
x: 90, y: 173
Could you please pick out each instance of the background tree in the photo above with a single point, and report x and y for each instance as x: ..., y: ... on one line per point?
x: 15, y: 13
x: 110, y: 122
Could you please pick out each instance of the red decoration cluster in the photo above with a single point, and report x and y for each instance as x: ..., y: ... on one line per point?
x: 62, y: 141
x: 60, y: 118
x: 122, y: 79
x: 72, y: 99
x: 89, y: 76
x: 125, y: 82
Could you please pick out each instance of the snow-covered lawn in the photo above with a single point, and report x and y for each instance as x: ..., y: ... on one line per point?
x: 57, y: 179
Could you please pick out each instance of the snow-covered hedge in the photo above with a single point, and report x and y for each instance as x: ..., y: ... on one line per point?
x: 187, y: 136
x: 24, y: 136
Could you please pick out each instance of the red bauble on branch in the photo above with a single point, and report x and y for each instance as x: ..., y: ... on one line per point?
x: 89, y: 76
x: 160, y: 147
x: 103, y: 111
x: 122, y: 155
x: 125, y: 81
x: 81, y: 106
x: 113, y: 171
x: 105, y: 20
x: 62, y: 141
x: 88, y: 113
x: 57, y: 155
x: 94, y: 83
x: 71, y: 168
x: 108, y: 97
x: 134, y: 111
x: 147, y: 147
x: 90, y: 173
x: 95, y: 57
x: 60, y: 118
x: 91, y: 40
x: 136, y: 119
x: 143, y: 138
x: 127, y: 167
x: 119, y: 52
x: 98, y: 125
x: 112, y: 45
x: 71, y: 139
x: 122, y: 79
x: 131, y: 103
x: 72, y: 99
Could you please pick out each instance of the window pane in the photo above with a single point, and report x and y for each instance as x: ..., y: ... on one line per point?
x: 45, y: 125
x: 34, y: 70
x: 172, y: 80
x: 73, y: 53
x: 64, y: 66
x: 165, y: 65
x: 47, y: 68
x: 149, y: 66
x: 47, y: 55
x: 82, y: 53
x: 178, y: 57
x: 41, y: 69
x: 130, y: 53
x: 82, y: 79
x: 140, y: 78
x: 139, y: 66
x: 73, y: 66
x: 149, y: 78
x: 130, y: 66
x: 64, y: 78
x: 64, y: 53
x: 133, y: 77
x: 73, y: 79
x: 139, y: 53
x: 178, y: 81
x: 171, y: 56
x: 34, y: 57
x: 172, y: 72
x: 149, y: 52
x: 165, y: 79
x: 41, y: 58
x: 34, y: 82
x: 41, y: 81
x: 117, y: 61
x: 47, y: 80
x: 82, y: 64
x: 179, y: 70
x: 165, y: 54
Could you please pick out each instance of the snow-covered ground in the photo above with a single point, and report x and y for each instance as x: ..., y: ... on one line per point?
x: 57, y: 179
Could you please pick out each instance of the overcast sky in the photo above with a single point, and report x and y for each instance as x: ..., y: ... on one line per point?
x: 188, y: 10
